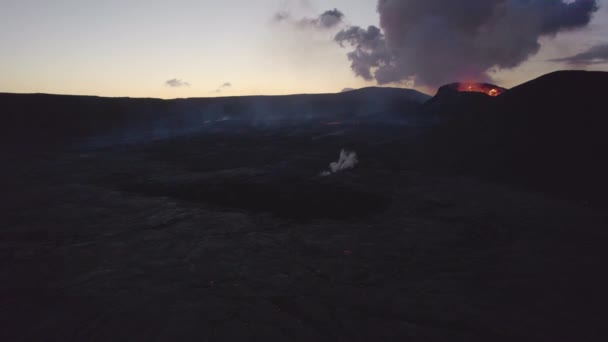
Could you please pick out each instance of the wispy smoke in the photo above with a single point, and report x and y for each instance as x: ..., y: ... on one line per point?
x: 177, y: 83
x: 439, y: 41
x: 595, y: 55
x: 348, y: 160
x: 326, y: 20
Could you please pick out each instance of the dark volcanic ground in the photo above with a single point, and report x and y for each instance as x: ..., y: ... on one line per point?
x: 236, y: 237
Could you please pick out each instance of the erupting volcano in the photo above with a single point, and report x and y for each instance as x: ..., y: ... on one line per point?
x: 464, y: 91
x: 486, y: 88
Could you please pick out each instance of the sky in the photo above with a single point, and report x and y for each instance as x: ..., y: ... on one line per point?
x: 203, y: 48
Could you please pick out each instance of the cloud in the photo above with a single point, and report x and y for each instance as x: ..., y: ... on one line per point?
x: 595, y: 55
x: 326, y: 20
x: 348, y: 160
x: 329, y: 19
x: 177, y: 83
x: 439, y: 41
x: 223, y: 86
x: 281, y: 16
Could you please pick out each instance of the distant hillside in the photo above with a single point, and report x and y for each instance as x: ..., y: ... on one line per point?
x: 42, y: 119
x: 557, y: 126
x: 362, y: 103
x: 549, y: 133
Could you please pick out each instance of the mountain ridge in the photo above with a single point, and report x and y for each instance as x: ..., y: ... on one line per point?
x: 358, y: 90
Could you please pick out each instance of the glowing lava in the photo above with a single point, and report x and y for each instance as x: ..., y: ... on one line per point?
x: 485, y: 88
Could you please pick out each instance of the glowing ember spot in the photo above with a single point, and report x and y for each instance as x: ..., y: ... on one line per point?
x: 493, y: 92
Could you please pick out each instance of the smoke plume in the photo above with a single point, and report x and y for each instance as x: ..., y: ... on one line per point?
x: 439, y: 41
x: 348, y: 160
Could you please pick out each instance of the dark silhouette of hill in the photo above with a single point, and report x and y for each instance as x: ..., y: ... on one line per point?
x: 557, y: 127
x: 548, y: 133
x: 45, y: 120
x: 33, y: 121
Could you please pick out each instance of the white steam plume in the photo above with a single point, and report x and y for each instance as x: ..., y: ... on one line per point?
x: 348, y: 160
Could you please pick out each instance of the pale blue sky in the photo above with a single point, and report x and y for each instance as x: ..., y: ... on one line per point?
x: 130, y: 47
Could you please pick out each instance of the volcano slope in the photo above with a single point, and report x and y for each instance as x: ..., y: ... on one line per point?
x: 228, y: 232
x: 547, y: 134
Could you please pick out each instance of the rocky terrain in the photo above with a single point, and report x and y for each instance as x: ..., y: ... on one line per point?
x: 457, y: 223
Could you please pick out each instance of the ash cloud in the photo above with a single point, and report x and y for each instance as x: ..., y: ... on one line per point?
x: 347, y: 160
x: 595, y: 55
x: 177, y: 83
x: 435, y: 42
